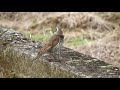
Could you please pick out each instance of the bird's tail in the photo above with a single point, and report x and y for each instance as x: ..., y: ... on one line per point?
x: 41, y: 52
x: 38, y: 55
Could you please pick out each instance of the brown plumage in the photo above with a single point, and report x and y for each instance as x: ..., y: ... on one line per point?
x: 54, y: 40
x: 57, y: 38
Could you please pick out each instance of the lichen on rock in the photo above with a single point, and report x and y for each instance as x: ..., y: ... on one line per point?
x: 73, y: 64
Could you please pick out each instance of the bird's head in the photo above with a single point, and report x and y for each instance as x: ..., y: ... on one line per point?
x: 58, y: 30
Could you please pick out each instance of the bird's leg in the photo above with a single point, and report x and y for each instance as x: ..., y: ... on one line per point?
x: 59, y: 49
x: 53, y: 57
x: 38, y: 56
x: 61, y: 41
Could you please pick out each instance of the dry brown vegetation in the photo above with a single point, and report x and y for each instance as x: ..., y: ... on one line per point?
x: 92, y: 33
x: 20, y: 66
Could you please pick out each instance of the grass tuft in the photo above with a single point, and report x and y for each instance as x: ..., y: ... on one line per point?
x: 15, y: 65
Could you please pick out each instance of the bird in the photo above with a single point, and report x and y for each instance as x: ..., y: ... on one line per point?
x: 56, y: 39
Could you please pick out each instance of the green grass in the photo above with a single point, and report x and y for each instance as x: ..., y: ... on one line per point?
x: 77, y: 41
x: 73, y: 42
x: 36, y: 37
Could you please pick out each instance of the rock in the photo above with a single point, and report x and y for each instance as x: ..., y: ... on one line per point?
x: 71, y: 61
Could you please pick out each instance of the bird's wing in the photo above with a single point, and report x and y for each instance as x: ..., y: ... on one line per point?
x: 54, y: 40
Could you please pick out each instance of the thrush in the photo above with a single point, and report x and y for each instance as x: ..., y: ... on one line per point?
x: 56, y: 39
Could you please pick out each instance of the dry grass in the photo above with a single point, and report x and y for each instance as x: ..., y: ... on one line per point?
x: 69, y: 20
x: 113, y: 17
x: 14, y: 65
x: 98, y: 27
x: 106, y: 49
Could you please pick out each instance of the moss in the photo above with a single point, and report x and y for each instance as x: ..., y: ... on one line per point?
x: 20, y: 66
